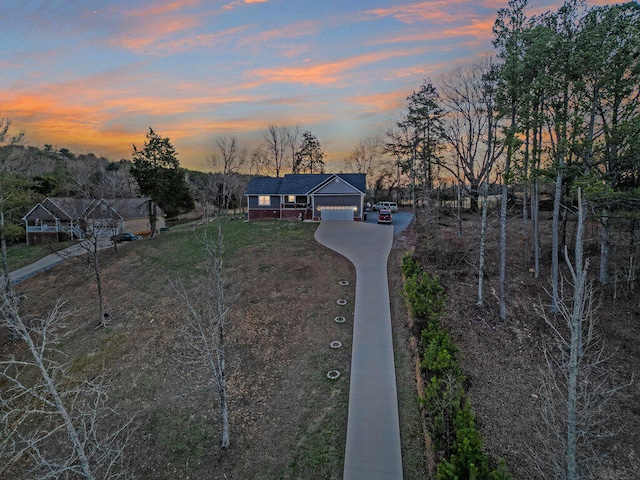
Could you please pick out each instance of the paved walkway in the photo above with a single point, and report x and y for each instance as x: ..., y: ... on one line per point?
x: 373, y: 431
x: 54, y: 259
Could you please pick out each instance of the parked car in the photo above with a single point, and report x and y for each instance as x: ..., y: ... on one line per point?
x: 384, y: 216
x: 391, y: 206
x: 125, y: 237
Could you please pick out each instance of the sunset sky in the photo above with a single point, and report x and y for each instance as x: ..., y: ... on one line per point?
x: 93, y: 75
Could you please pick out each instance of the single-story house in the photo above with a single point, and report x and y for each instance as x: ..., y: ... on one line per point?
x: 58, y: 219
x: 318, y: 196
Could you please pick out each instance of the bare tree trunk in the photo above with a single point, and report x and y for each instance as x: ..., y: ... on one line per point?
x: 578, y: 272
x: 483, y: 234
x: 503, y: 251
x: 205, y: 318
x: 535, y: 217
x: 555, y: 238
x: 96, y: 270
x: 153, y: 218
x: 3, y: 244
x: 604, y: 248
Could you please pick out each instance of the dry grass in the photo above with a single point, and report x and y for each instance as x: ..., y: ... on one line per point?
x: 288, y: 420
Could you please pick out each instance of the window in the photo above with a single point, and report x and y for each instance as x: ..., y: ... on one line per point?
x: 103, y: 209
x: 264, y: 200
x: 291, y: 198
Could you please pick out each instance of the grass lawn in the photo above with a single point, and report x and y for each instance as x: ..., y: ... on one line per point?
x: 288, y: 421
x: 22, y: 254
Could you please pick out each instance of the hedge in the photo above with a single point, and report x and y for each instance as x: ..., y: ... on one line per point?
x: 457, y: 442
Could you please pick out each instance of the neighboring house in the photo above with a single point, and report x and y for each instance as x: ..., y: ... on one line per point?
x: 323, y: 196
x: 58, y: 219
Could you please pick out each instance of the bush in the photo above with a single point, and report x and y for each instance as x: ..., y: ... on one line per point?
x: 410, y: 266
x: 440, y: 353
x: 425, y: 297
x: 452, y: 428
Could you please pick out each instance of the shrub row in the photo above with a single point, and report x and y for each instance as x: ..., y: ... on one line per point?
x: 457, y: 442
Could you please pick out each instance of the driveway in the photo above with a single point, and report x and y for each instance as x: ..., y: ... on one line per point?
x: 54, y: 259
x: 400, y: 220
x: 373, y: 433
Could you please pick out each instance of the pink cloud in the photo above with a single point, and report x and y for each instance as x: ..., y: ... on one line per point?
x: 325, y: 73
x: 417, y: 12
x: 164, y: 7
x: 295, y: 30
x: 147, y: 34
x: 236, y: 3
x: 380, y: 102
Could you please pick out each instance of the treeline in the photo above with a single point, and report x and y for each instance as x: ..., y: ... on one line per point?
x: 558, y: 110
x: 29, y: 174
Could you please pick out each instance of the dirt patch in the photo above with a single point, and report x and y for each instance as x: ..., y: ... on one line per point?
x: 288, y: 420
x: 502, y: 359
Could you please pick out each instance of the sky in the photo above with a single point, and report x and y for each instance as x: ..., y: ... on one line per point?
x: 93, y: 75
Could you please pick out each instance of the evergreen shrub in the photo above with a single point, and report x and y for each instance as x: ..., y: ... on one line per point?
x: 453, y: 429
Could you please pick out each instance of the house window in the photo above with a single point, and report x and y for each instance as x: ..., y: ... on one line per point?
x: 264, y: 200
x: 103, y: 209
x: 291, y: 199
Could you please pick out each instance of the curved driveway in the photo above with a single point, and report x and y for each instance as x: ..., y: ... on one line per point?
x: 373, y: 432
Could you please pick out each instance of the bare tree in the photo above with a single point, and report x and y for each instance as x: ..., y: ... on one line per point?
x: 576, y: 386
x: 116, y: 182
x: 471, y: 126
x: 206, y: 312
x: 276, y: 144
x: 4, y: 155
x: 99, y: 226
x: 54, y: 427
x: 294, y: 144
x: 364, y: 157
x: 227, y: 160
x: 4, y: 197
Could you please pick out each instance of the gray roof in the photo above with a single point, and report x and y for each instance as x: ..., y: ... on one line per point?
x: 67, y: 207
x: 300, y: 184
x: 77, y: 208
x: 129, y: 208
x: 264, y: 186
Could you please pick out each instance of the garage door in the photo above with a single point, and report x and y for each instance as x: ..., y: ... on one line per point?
x: 336, y: 213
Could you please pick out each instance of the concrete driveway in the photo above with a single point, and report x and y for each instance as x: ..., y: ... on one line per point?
x: 373, y: 433
x: 400, y: 220
x: 54, y: 259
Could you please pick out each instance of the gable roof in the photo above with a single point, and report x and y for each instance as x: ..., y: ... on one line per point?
x: 67, y: 207
x: 76, y: 208
x: 129, y: 208
x: 301, y: 184
x: 40, y: 212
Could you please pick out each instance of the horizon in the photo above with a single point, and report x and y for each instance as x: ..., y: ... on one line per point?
x: 97, y: 75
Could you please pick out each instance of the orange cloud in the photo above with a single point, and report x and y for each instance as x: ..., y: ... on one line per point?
x: 481, y: 29
x: 294, y: 30
x: 198, y: 41
x: 418, y: 12
x: 380, y: 102
x: 146, y: 35
x: 326, y: 73
x: 162, y: 8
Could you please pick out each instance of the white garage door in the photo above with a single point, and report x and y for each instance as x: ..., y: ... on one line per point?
x: 336, y: 213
